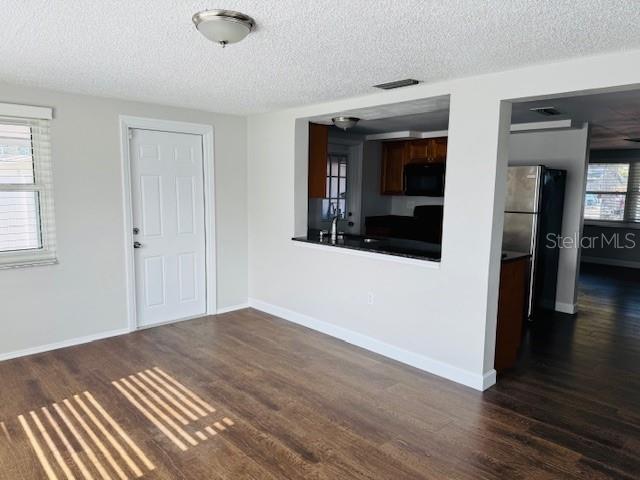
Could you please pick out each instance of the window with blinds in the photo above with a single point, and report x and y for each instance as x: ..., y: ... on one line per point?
x: 26, y: 203
x: 613, y: 192
x: 632, y: 211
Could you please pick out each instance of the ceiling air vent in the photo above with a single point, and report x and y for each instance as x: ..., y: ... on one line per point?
x: 397, y: 84
x: 546, y: 111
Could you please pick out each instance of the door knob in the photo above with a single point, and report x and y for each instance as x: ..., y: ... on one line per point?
x: 137, y: 245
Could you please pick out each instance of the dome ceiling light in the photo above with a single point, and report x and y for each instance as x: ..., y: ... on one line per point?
x: 345, y: 122
x: 223, y: 26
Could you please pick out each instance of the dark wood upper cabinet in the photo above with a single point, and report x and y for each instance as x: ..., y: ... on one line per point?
x: 318, y: 147
x: 397, y: 154
x: 394, y: 158
x: 420, y: 151
x: 427, y: 150
x: 440, y: 149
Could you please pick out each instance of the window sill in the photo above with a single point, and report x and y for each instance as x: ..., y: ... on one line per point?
x: 26, y: 261
x: 612, y: 224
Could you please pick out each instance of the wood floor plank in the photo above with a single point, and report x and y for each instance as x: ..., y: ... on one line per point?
x: 267, y: 399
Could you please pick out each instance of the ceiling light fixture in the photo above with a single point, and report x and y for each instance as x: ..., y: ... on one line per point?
x: 223, y: 26
x: 345, y: 122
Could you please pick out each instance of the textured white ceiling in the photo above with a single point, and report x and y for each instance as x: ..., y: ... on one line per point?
x: 613, y: 116
x: 303, y: 51
x: 421, y: 122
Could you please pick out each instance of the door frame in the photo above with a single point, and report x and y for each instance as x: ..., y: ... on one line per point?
x: 207, y: 134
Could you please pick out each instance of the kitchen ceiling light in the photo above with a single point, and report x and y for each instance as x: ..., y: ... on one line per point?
x: 345, y: 122
x: 223, y: 26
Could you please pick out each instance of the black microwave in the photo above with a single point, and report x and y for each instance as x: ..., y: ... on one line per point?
x: 424, y: 179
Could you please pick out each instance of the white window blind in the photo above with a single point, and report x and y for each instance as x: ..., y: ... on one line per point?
x: 632, y: 212
x: 613, y: 192
x: 27, y: 233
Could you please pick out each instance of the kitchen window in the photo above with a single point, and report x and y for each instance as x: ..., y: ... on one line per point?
x: 335, y: 201
x: 27, y: 233
x: 613, y: 192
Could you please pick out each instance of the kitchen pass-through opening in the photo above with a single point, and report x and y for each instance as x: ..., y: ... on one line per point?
x: 377, y: 181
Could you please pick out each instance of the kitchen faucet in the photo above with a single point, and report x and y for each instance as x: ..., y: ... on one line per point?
x: 333, y: 232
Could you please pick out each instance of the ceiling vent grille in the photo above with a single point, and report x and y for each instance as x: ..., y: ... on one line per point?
x: 546, y: 111
x: 397, y: 84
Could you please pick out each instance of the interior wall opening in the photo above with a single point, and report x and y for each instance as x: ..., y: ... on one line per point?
x: 379, y: 185
x: 579, y: 294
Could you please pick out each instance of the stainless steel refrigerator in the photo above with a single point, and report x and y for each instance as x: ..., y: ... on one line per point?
x: 532, y: 221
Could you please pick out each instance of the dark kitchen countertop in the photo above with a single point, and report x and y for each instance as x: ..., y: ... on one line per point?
x: 391, y: 246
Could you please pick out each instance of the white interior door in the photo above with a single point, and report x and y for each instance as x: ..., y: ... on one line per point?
x: 167, y: 192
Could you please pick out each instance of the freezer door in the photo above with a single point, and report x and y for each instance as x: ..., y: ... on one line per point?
x: 523, y: 189
x: 519, y: 232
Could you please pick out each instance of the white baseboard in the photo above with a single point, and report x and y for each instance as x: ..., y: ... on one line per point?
x: 63, y: 344
x: 570, y: 308
x: 470, y: 379
x: 611, y: 261
x: 100, y: 336
x: 488, y: 380
x: 232, y: 308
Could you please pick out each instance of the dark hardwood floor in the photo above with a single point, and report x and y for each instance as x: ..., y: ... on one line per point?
x: 578, y: 379
x: 291, y: 403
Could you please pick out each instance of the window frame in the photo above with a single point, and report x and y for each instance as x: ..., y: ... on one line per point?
x: 624, y: 221
x: 37, y: 118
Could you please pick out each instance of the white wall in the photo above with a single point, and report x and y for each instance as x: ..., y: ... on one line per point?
x: 84, y: 295
x: 603, y: 253
x: 439, y: 319
x: 567, y: 150
x: 412, y: 313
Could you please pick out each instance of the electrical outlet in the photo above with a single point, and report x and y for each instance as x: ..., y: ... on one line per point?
x: 370, y: 298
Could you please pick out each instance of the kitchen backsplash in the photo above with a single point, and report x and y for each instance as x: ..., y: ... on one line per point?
x: 403, y: 205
